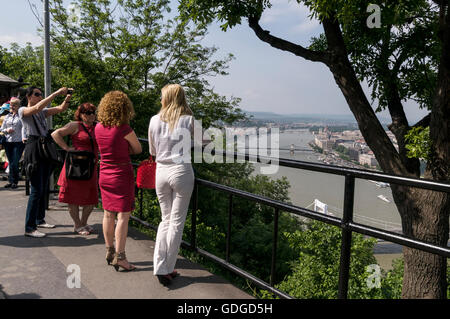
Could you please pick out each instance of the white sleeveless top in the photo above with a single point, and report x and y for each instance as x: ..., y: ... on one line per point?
x: 174, y: 147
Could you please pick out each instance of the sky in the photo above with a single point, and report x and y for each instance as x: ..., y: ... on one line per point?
x: 266, y: 79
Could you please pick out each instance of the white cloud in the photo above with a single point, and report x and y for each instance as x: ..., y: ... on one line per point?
x: 307, y: 25
x: 282, y: 10
x: 290, y: 16
x: 21, y: 38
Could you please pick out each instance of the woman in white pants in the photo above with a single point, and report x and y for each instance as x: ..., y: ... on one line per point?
x: 170, y: 134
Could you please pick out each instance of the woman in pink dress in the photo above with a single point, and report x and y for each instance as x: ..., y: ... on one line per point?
x: 116, y: 141
x: 78, y: 193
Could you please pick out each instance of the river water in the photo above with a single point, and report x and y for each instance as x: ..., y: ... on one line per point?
x: 306, y: 186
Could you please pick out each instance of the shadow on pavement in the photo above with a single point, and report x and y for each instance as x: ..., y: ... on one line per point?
x: 3, y: 295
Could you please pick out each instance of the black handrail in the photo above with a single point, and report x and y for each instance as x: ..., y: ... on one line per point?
x: 346, y: 223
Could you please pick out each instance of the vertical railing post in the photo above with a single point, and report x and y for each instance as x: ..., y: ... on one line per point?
x: 274, y: 246
x: 194, y: 217
x: 344, y: 267
x: 230, y: 211
x: 141, y: 200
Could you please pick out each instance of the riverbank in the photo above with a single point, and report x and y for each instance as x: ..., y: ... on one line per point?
x: 386, y: 252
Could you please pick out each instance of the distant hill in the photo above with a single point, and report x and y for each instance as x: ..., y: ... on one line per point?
x: 295, y: 117
x: 301, y: 117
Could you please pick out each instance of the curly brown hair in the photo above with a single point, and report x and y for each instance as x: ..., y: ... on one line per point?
x: 115, y: 109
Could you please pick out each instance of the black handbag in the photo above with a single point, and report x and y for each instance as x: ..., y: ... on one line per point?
x: 80, y: 165
x: 47, y: 148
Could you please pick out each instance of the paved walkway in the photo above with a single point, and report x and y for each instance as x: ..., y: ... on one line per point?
x: 38, y: 267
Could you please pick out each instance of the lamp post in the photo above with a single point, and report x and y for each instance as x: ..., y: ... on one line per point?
x: 47, y: 73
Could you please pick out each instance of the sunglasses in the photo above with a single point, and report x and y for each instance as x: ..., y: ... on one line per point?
x: 37, y: 94
x: 88, y: 112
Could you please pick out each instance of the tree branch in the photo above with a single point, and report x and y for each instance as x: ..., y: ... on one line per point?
x: 281, y: 44
x: 388, y: 78
x: 34, y: 11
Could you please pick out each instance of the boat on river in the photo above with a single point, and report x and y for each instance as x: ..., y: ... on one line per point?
x: 384, y: 198
x: 381, y: 184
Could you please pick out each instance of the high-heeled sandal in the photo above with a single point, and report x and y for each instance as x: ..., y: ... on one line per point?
x: 119, y: 257
x: 110, y: 252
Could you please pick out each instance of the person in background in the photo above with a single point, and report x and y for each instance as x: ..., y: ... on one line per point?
x: 12, y: 128
x: 78, y: 193
x: 116, y: 141
x: 33, y: 118
x: 4, y: 111
x: 174, y: 176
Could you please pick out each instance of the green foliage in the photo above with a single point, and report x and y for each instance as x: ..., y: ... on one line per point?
x: 391, y: 283
x: 316, y: 269
x: 418, y: 142
x: 206, y: 11
x: 150, y: 210
x: 26, y: 62
x: 399, y: 59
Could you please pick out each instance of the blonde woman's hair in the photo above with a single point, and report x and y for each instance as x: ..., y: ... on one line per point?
x: 115, y: 109
x: 174, y: 104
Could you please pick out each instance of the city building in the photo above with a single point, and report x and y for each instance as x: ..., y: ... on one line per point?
x: 367, y: 159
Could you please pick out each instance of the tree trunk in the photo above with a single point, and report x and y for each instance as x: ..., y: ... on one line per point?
x: 425, y: 216
x: 424, y: 213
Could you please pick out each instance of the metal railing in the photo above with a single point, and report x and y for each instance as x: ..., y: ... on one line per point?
x: 346, y: 223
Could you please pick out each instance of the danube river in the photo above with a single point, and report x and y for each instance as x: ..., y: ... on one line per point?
x: 306, y: 186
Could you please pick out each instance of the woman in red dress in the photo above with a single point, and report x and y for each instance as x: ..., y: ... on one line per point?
x: 78, y: 193
x: 116, y: 141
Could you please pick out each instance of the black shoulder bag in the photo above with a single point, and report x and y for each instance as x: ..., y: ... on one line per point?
x: 47, y: 147
x: 80, y: 165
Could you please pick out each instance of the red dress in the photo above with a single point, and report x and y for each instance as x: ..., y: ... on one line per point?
x: 116, y: 172
x: 78, y: 192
